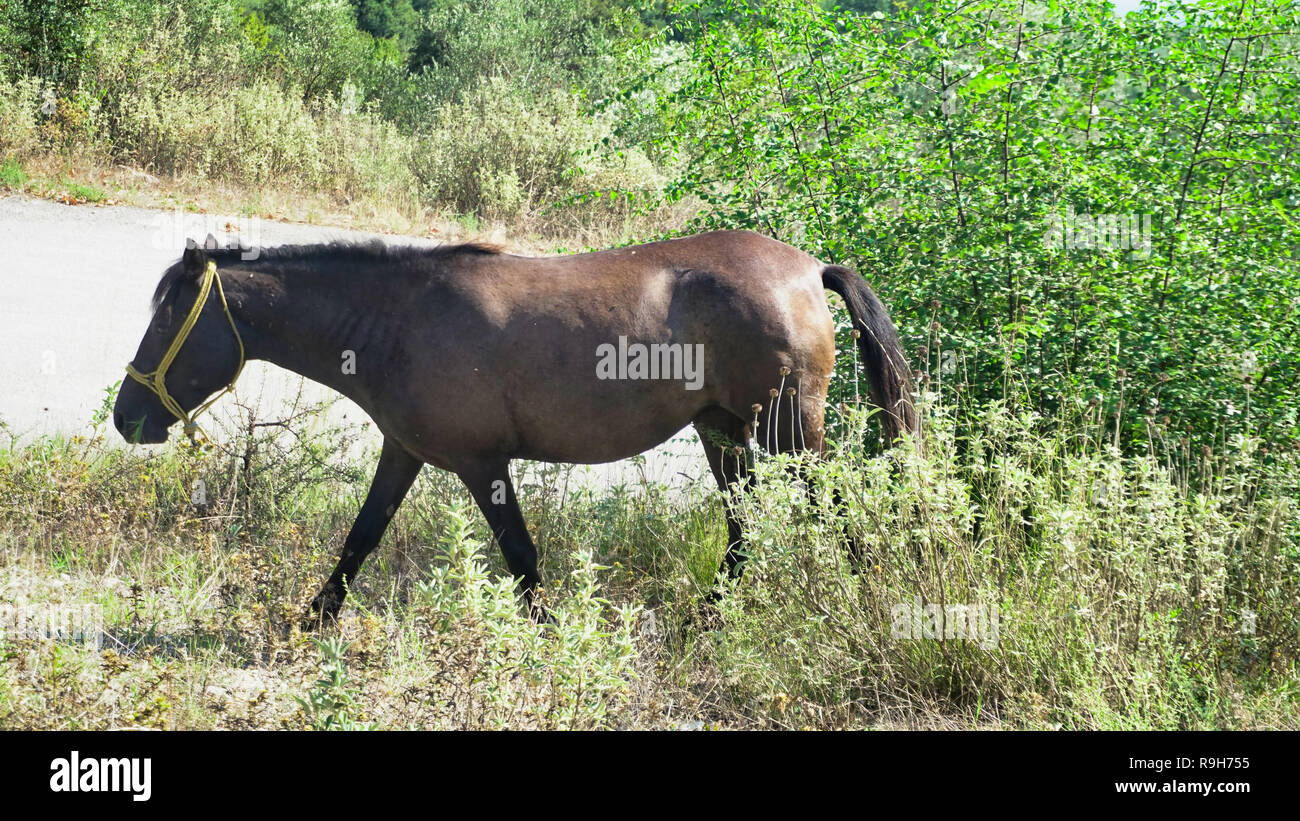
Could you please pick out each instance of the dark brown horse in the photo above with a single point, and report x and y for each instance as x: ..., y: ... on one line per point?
x: 466, y: 358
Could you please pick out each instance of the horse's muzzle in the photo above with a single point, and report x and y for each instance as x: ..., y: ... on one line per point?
x: 141, y: 431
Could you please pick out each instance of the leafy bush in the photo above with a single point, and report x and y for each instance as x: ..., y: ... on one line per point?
x: 473, y: 112
x: 1152, y: 590
x: 501, y: 154
x: 315, y: 46
x: 963, y: 158
x: 542, y: 44
x: 19, y: 102
x: 50, y: 40
x: 506, y: 670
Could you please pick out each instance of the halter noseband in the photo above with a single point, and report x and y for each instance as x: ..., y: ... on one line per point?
x: 155, y: 380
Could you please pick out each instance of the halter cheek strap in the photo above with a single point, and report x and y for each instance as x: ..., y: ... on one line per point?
x: 155, y: 380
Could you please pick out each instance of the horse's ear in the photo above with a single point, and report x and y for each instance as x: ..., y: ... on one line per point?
x: 195, y: 259
x: 210, y: 244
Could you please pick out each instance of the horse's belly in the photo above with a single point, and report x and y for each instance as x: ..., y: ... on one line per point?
x: 571, y: 427
x: 594, y: 442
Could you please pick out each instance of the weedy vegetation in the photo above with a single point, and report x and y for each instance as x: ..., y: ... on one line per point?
x: 1150, y: 590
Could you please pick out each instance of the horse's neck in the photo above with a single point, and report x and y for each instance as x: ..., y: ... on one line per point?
x: 309, y: 328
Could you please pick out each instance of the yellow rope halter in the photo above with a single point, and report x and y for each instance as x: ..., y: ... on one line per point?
x: 154, y: 380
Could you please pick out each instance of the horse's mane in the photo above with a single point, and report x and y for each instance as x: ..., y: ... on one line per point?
x: 342, y: 250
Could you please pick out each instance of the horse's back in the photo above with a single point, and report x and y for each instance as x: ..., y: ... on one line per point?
x: 740, y: 255
x: 747, y: 271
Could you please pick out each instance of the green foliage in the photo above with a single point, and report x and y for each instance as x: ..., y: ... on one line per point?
x: 944, y: 150
x: 389, y: 19
x: 87, y: 193
x: 293, y: 92
x: 332, y: 703
x: 12, y: 174
x: 502, y: 154
x: 574, y: 673
x: 1154, y: 590
x: 19, y: 103
x: 537, y: 43
x: 47, y: 39
x: 314, y: 46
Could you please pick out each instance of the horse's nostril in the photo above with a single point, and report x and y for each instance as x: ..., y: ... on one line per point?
x: 117, y: 419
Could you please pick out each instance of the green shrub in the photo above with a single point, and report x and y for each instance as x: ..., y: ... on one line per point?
x: 290, y: 92
x: 367, y: 155
x: 574, y: 673
x: 1142, y: 592
x: 19, y: 104
x: 539, y: 44
x: 502, y: 153
x: 1147, y: 591
x: 51, y: 40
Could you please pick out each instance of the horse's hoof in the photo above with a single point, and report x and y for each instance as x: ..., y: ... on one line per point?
x: 541, y: 615
x: 706, y: 615
x: 324, y: 610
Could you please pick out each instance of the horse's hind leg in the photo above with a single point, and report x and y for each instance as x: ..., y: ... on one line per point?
x: 813, y: 419
x: 806, y: 432
x: 393, y: 477
x: 492, y: 489
x: 722, y: 432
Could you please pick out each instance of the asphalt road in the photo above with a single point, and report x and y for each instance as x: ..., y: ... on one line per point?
x: 75, y: 283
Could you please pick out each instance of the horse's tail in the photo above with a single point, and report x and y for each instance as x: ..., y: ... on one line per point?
x: 882, y: 354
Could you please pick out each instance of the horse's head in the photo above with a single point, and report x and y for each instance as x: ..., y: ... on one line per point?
x: 190, y: 351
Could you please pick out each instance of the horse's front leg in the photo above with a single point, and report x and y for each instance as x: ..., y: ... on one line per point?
x: 393, y: 478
